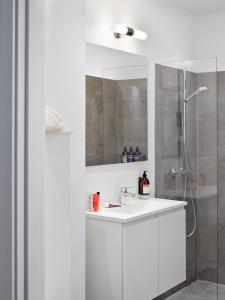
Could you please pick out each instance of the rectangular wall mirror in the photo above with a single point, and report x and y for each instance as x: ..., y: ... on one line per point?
x: 116, y: 106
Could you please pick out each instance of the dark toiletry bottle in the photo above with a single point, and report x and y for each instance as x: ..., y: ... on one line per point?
x: 130, y: 156
x: 144, y: 185
x: 124, y: 155
x: 137, y: 154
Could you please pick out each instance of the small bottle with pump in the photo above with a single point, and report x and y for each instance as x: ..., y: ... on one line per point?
x: 144, y: 185
x: 124, y: 155
x: 130, y: 156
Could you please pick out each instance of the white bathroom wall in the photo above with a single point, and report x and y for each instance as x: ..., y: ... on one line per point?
x: 35, y: 156
x: 197, y: 65
x: 64, y: 92
x: 210, y: 40
x: 171, y: 36
x: 57, y: 216
x: 170, y: 30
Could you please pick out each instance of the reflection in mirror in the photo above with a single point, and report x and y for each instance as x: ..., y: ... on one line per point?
x: 116, y: 106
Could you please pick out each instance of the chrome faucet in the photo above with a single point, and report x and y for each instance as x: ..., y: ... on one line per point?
x: 124, y: 194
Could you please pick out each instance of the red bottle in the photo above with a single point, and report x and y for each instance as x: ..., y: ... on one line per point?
x: 96, y: 202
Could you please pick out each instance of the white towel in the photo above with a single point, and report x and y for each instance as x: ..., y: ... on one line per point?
x: 53, y: 121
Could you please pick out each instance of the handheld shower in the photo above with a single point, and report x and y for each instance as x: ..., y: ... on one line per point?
x: 197, y: 92
x: 200, y: 90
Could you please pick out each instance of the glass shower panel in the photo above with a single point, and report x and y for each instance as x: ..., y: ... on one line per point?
x: 221, y: 185
x: 187, y: 166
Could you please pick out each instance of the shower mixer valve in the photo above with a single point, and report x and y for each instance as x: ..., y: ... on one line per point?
x: 174, y: 172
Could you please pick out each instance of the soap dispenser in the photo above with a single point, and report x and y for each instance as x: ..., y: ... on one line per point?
x: 144, y: 185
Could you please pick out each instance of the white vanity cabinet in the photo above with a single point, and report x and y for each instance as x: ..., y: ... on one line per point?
x: 136, y: 259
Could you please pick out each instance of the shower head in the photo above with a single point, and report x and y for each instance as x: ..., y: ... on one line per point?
x: 197, y: 92
x: 202, y: 89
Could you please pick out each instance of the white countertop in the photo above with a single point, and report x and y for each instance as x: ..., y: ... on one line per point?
x: 136, y: 209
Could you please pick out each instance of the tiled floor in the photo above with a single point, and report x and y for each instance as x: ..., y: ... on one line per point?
x: 200, y: 290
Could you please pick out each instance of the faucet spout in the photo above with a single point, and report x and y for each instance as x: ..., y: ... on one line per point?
x: 124, y: 195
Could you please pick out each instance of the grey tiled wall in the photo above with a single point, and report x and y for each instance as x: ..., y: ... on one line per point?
x: 110, y: 128
x: 94, y: 121
x: 203, y: 134
x: 132, y: 114
x: 116, y: 115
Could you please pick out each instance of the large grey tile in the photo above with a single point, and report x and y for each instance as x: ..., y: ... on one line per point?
x: 94, y: 121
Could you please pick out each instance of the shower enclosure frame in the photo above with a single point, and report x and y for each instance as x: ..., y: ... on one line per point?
x: 13, y: 154
x: 22, y: 103
x: 174, y: 172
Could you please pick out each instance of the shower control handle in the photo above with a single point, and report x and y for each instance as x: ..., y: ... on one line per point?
x: 174, y: 172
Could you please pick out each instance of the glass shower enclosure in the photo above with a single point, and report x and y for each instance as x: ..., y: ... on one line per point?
x: 190, y: 166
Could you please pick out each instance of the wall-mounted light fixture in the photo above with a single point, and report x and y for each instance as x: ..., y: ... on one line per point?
x: 120, y: 30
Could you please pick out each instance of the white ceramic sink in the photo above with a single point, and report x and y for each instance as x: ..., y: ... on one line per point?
x: 136, y: 209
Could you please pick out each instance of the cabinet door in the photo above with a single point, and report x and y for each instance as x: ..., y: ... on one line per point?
x: 140, y: 260
x: 172, y: 250
x: 103, y: 260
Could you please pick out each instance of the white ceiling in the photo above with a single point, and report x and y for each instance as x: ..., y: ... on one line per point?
x: 198, y: 7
